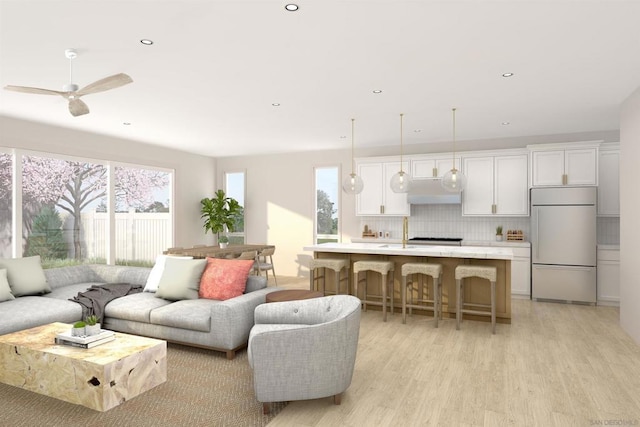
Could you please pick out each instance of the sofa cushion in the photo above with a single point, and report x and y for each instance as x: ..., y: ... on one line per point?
x: 40, y: 311
x: 134, y: 307
x: 156, y: 272
x: 187, y: 314
x: 224, y: 278
x: 255, y: 283
x: 70, y: 291
x: 180, y: 279
x: 25, y: 276
x: 5, y: 290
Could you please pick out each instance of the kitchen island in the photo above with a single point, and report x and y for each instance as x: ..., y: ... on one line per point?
x: 476, y: 290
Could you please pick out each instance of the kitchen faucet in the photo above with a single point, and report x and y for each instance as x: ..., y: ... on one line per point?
x: 405, y: 231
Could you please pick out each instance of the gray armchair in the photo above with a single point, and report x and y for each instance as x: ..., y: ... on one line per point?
x: 304, y: 349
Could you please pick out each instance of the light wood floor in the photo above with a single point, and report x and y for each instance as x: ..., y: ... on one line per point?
x: 555, y: 365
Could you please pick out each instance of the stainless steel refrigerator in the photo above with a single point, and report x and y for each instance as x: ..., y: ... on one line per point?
x: 563, y: 244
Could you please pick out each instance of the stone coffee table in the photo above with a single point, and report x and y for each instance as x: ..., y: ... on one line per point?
x: 99, y: 378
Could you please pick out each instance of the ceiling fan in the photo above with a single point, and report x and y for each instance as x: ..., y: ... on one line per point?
x: 70, y: 91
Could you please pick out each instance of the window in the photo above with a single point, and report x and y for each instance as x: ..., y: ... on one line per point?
x: 65, y: 214
x: 59, y: 200
x: 234, y: 188
x: 6, y: 199
x: 327, y: 206
x: 142, y: 217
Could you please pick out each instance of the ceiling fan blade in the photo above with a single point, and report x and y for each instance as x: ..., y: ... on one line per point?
x: 77, y: 107
x: 107, y: 83
x: 25, y: 89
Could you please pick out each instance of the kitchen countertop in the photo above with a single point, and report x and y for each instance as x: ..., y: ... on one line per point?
x: 492, y: 243
x: 380, y: 248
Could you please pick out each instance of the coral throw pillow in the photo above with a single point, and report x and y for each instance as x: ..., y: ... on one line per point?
x: 224, y: 278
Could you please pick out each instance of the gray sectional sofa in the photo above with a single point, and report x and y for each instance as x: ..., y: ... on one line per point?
x: 212, y: 324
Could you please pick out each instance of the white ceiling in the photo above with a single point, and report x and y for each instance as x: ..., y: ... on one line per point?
x: 208, y: 82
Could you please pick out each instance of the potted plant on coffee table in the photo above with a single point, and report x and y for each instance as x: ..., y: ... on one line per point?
x: 220, y: 213
x: 92, y: 326
x: 78, y: 329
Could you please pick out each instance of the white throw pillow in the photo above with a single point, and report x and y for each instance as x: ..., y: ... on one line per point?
x: 156, y: 272
x: 5, y: 290
x: 180, y: 279
x: 25, y: 276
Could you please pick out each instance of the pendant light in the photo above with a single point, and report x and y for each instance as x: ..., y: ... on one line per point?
x: 401, y: 181
x: 454, y: 180
x: 352, y: 184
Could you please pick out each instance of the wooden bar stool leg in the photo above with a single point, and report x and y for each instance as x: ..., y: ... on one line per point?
x: 459, y: 286
x: 384, y: 297
x: 493, y: 307
x: 311, y: 284
x: 436, y: 300
x: 391, y: 292
x: 404, y: 299
x: 338, y: 282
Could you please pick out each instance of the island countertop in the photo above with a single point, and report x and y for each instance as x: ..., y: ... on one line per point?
x: 472, y: 252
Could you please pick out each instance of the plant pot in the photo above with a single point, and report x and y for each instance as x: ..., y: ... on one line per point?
x: 223, y: 245
x: 499, y: 237
x: 78, y: 332
x: 92, y: 329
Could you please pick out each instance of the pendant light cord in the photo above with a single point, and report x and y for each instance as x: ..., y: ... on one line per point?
x: 352, y: 150
x: 401, y: 114
x: 453, y: 167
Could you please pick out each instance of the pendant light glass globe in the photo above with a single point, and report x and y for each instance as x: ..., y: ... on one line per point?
x: 454, y: 181
x: 401, y: 181
x: 352, y: 184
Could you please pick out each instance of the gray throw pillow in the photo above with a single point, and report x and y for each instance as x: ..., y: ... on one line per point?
x: 5, y: 290
x: 180, y: 279
x: 25, y: 276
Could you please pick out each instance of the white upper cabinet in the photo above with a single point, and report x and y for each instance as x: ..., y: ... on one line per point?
x: 564, y: 164
x: 432, y: 166
x: 609, y: 180
x: 496, y: 185
x: 377, y: 198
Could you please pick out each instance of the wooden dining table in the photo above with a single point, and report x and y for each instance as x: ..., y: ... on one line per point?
x: 230, y: 251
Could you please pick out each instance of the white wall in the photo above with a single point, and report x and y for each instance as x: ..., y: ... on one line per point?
x: 629, y: 208
x: 194, y: 174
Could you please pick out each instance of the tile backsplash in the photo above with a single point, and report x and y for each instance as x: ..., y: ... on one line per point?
x: 447, y: 221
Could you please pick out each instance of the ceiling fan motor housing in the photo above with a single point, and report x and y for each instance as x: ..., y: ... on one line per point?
x: 70, y: 87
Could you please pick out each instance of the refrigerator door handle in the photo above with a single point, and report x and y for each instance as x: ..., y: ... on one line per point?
x: 537, y: 211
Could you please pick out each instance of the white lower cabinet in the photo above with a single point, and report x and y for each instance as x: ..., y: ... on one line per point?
x: 521, y: 272
x: 608, y: 276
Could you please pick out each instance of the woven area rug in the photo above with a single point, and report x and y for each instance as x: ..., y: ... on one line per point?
x: 203, y: 388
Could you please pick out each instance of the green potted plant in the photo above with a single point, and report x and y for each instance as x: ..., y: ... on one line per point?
x: 78, y: 329
x: 92, y: 326
x: 223, y: 241
x: 499, y: 233
x: 219, y: 213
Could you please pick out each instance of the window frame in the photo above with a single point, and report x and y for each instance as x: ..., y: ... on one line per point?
x: 337, y: 204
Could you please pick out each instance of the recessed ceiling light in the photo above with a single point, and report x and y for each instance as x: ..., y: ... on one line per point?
x: 507, y: 74
x: 417, y: 130
x: 127, y: 123
x: 146, y: 42
x: 506, y: 123
x: 343, y: 136
x: 377, y: 91
x: 291, y: 7
x: 276, y: 104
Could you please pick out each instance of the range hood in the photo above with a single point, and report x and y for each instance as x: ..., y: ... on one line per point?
x: 431, y: 192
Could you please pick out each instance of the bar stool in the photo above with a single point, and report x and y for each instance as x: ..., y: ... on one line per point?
x: 332, y: 264
x: 433, y: 270
x: 382, y: 267
x: 483, y: 272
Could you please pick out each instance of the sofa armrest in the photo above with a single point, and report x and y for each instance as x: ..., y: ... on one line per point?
x: 234, y: 316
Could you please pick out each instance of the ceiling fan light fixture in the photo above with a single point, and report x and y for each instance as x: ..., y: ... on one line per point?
x: 401, y: 181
